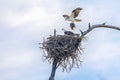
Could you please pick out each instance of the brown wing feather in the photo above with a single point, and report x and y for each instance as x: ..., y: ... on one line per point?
x: 76, y: 12
x: 65, y: 16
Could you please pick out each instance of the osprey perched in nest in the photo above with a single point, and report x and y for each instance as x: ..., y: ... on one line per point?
x: 69, y: 33
x: 72, y: 17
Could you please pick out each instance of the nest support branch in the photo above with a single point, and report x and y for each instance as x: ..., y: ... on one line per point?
x: 62, y: 50
x: 90, y: 28
x: 54, y: 67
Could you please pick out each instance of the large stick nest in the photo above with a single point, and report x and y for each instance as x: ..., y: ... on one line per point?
x: 63, y: 48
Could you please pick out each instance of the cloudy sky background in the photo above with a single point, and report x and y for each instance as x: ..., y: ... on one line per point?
x: 24, y: 23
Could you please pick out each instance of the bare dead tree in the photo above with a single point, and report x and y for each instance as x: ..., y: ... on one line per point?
x: 64, y: 50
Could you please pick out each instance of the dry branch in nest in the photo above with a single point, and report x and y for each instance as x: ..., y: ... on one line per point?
x: 62, y: 50
x: 66, y: 50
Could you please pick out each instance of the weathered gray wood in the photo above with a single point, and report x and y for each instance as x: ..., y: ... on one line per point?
x: 54, y: 67
x: 99, y: 26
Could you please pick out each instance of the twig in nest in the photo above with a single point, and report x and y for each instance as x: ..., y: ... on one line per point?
x: 62, y: 50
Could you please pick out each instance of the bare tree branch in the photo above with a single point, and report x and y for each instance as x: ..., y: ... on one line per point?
x: 98, y: 26
x: 54, y: 67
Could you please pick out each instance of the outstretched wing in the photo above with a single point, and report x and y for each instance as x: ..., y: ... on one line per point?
x: 75, y: 12
x: 65, y: 16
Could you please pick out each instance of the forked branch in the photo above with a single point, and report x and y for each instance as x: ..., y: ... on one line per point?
x: 98, y: 26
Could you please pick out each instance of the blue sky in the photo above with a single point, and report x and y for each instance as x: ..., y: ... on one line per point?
x: 24, y: 23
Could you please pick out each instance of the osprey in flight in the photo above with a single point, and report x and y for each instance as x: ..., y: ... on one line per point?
x: 72, y: 17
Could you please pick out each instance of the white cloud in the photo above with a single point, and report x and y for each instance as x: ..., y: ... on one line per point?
x: 36, y: 15
x: 102, y: 53
x: 29, y: 20
x: 17, y: 60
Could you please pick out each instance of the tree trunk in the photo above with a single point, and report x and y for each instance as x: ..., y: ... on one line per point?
x: 54, y: 67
